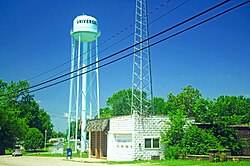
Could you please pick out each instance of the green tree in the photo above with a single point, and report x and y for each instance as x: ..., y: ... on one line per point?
x: 61, y: 134
x: 173, y: 134
x: 219, y: 113
x: 182, y: 138
x: 58, y: 134
x: 35, y: 116
x: 184, y: 101
x: 228, y: 137
x: 197, y: 141
x: 34, y: 139
x: 120, y: 103
x: 225, y: 109
x: 232, y: 109
x: 18, y: 112
x: 12, y: 128
x: 203, y: 111
x: 160, y: 106
x: 73, y: 129
x: 44, y: 123
x: 106, y: 112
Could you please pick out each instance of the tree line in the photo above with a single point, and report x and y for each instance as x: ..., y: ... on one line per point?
x: 220, y: 113
x: 231, y: 109
x: 22, y: 121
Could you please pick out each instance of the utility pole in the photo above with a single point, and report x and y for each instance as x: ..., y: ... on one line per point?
x: 45, y: 135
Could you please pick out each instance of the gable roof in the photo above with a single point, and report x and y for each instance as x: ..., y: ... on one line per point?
x: 97, y: 125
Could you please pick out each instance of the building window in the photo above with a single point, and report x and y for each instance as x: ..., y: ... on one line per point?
x: 156, y: 143
x: 123, y: 137
x: 148, y: 143
x: 152, y: 143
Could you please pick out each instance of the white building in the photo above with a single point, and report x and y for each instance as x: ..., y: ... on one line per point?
x: 127, y: 138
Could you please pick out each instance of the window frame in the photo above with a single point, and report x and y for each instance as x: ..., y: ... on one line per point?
x: 152, y: 142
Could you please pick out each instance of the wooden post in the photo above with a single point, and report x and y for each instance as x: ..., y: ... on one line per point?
x: 90, y: 139
x: 96, y: 151
x: 101, y: 154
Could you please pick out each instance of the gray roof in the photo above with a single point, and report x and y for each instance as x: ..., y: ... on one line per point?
x: 97, y: 125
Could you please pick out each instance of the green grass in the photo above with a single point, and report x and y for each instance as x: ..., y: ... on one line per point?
x: 48, y: 154
x: 181, y: 162
x: 8, y: 151
x: 142, y: 162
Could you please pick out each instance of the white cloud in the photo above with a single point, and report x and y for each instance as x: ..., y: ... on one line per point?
x: 39, y: 101
x: 66, y: 115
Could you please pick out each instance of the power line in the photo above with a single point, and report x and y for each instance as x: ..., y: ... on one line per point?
x: 159, y: 41
x: 165, y: 14
x: 127, y: 48
x: 183, y: 3
x: 105, y: 41
x: 144, y: 41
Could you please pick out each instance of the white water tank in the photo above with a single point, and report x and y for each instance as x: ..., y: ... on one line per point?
x: 85, y: 28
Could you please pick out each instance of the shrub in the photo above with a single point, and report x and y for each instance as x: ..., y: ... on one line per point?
x: 172, y: 137
x: 198, y: 141
x: 33, y: 139
x: 173, y: 152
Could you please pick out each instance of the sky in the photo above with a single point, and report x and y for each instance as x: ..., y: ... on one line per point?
x: 214, y: 57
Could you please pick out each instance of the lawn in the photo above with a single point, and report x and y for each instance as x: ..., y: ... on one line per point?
x: 182, y: 162
x: 144, y: 163
x: 48, y: 154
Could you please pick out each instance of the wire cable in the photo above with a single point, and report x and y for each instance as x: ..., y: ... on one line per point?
x: 165, y: 14
x: 132, y: 46
x: 105, y: 41
x: 151, y: 45
x: 141, y: 42
x: 125, y: 49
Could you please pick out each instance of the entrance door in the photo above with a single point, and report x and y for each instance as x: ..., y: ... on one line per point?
x: 98, y: 146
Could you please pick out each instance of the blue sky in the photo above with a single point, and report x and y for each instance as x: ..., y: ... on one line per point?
x: 214, y: 58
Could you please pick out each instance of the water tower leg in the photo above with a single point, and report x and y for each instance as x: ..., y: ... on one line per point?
x: 77, y: 88
x: 84, y: 94
x: 97, y: 81
x: 71, y: 87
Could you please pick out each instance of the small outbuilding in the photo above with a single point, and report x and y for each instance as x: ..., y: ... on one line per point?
x: 98, y: 132
x: 127, y: 138
x: 58, y: 148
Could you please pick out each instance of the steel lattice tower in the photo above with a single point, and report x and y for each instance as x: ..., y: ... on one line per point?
x: 142, y: 94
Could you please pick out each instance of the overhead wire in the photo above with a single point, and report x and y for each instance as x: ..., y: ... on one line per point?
x: 155, y: 43
x: 105, y: 41
x: 132, y: 46
x: 165, y: 14
x: 159, y: 41
x: 125, y: 49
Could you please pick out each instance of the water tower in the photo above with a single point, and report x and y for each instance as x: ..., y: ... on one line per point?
x: 84, y: 51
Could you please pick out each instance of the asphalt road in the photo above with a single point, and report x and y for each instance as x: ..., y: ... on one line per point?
x: 46, y: 161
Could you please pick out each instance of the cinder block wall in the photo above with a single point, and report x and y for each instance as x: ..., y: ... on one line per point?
x: 140, y: 127
x: 120, y: 151
x: 146, y: 127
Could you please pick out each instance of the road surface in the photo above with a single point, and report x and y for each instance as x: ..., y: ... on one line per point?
x: 48, y: 161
